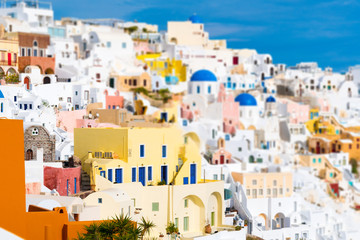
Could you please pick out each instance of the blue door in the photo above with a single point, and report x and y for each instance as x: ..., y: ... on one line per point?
x: 110, y: 175
x: 164, y: 174
x: 192, y: 173
x: 75, y: 185
x: 67, y: 187
x: 142, y: 175
x: 118, y: 175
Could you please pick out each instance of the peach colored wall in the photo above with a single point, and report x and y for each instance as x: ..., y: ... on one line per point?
x: 33, y: 188
x: 66, y: 120
x: 218, y: 153
x: 113, y: 102
x: 299, y: 113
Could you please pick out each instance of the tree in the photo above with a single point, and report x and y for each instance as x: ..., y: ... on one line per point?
x: 12, y: 78
x: 354, y: 166
x: 120, y: 227
x: 146, y: 226
x: 171, y: 228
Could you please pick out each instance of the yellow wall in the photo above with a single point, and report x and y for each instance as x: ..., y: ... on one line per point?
x: 125, y: 143
x: 165, y: 67
x: 265, y: 181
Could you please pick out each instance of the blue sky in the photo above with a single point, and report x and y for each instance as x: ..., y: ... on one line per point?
x: 290, y: 30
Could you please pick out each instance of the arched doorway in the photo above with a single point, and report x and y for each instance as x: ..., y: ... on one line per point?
x: 27, y: 82
x: 49, y: 71
x: 193, y: 218
x: 29, y: 155
x: 214, y: 212
x: 46, y: 80
x: 279, y: 221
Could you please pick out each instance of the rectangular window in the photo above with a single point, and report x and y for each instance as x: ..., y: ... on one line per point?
x: 15, y: 98
x: 30, y: 106
x: 254, y: 182
x: 108, y: 44
x: 20, y: 106
x: 149, y: 173
x: 133, y: 174
x: 41, y: 53
x: 110, y: 175
x: 124, y: 45
x: 142, y: 150
x: 198, y: 89
x: 185, y: 180
x: 261, y: 192
x: 99, y: 200
x: 163, y: 151
x: 35, y: 52
x: 212, y: 218
x: 23, y: 52
x: 215, y: 177
x: 268, y: 191
x: 155, y: 206
x: 186, y: 203
x: 75, y: 185
x: 186, y: 224
x: 29, y: 52
x: 2, y: 107
x: 176, y: 222
x: 248, y: 192
x: 280, y: 191
x: 223, y: 177
x: 209, y: 89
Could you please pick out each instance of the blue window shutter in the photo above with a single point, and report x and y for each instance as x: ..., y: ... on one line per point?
x: 133, y: 174
x: 110, y: 175
x: 186, y: 180
x: 142, y: 150
x: 164, y: 151
x: 149, y: 173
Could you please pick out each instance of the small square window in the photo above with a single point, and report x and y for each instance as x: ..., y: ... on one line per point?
x: 155, y: 206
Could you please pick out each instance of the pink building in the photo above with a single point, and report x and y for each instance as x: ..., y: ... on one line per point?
x: 142, y: 47
x: 67, y: 120
x: 221, y: 156
x: 298, y: 112
x: 114, y: 102
x: 230, y: 111
x: 66, y: 181
x: 185, y: 112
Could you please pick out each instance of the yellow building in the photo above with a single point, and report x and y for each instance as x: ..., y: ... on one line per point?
x: 165, y: 67
x: 149, y: 155
x: 265, y: 185
x: 9, y: 52
x: 318, y: 124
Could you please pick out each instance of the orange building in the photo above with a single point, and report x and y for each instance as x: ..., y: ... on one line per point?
x: 37, y: 223
x: 347, y: 142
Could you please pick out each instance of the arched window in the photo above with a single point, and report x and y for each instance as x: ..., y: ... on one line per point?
x: 35, y: 43
x: 29, y: 154
x: 251, y: 159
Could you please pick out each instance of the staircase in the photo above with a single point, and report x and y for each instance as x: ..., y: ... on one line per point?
x: 85, y: 181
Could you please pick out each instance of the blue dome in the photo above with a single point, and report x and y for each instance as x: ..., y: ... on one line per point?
x: 271, y: 99
x: 195, y: 19
x: 245, y: 99
x: 203, y: 76
x: 1, y: 94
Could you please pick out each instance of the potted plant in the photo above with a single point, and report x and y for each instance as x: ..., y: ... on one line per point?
x: 207, y: 227
x: 245, y: 222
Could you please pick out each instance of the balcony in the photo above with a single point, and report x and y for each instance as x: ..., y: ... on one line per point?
x: 6, y: 63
